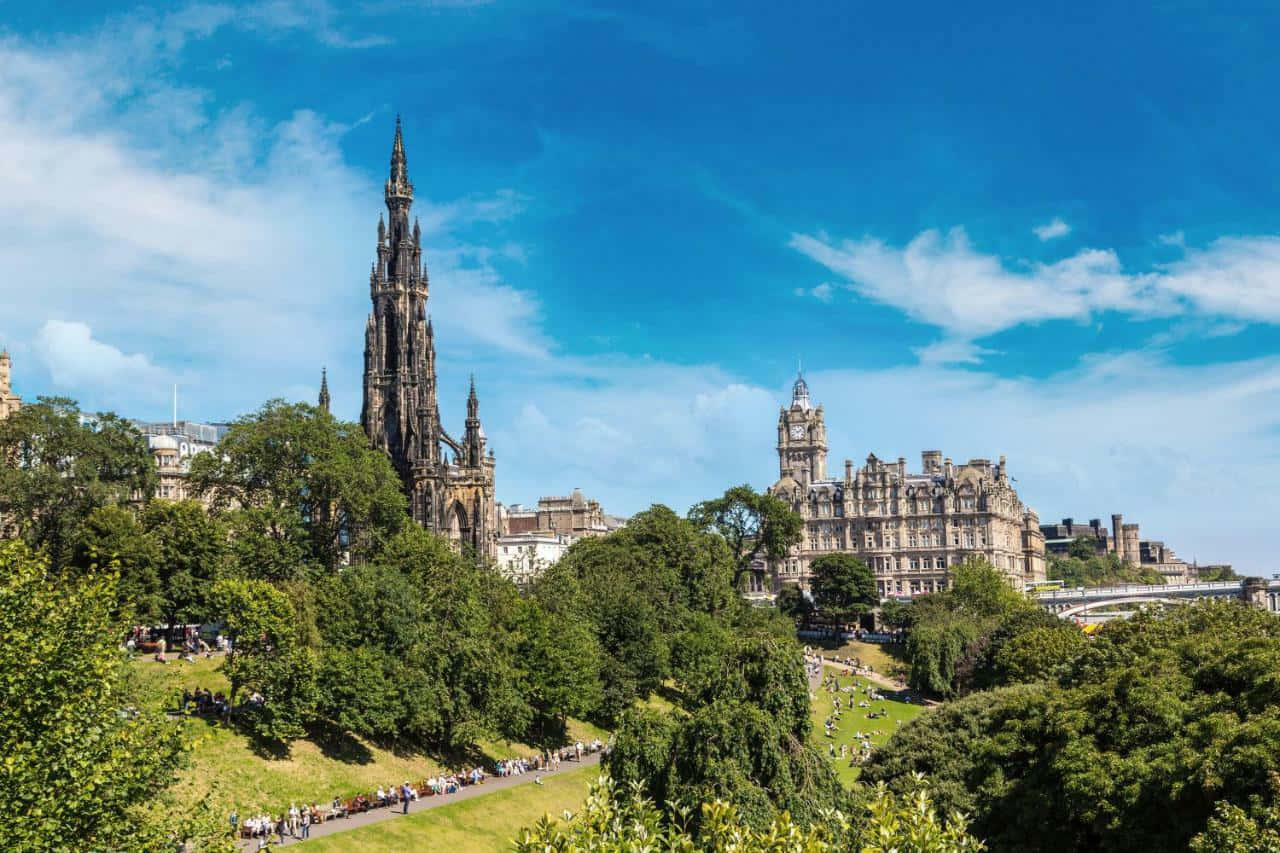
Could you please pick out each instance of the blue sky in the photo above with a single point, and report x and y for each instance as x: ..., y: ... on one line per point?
x: 1053, y: 235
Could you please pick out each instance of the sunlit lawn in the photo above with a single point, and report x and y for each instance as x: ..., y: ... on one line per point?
x: 484, y: 823
x: 225, y: 766
x: 855, y: 720
x: 885, y: 658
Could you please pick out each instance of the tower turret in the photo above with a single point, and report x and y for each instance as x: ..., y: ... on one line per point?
x: 324, y: 390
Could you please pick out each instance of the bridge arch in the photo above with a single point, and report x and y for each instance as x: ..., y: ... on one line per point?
x: 1085, y: 607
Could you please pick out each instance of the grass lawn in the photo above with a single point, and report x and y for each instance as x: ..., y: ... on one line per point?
x: 855, y: 720
x: 225, y: 766
x: 484, y: 823
x: 886, y: 658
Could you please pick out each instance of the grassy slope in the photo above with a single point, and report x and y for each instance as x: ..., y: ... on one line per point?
x: 855, y: 720
x: 886, y: 658
x: 484, y: 823
x: 225, y: 766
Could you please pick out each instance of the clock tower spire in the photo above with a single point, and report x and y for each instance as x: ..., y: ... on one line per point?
x: 802, y: 438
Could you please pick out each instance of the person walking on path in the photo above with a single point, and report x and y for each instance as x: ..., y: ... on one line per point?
x: 404, y: 797
x: 306, y: 823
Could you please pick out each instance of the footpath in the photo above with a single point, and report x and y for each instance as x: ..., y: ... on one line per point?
x: 491, y: 784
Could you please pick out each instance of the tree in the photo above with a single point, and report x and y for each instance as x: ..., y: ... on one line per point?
x: 266, y: 658
x: 843, y: 587
x: 192, y: 551
x: 1093, y: 569
x: 59, y: 466
x: 1082, y: 547
x: 305, y: 481
x: 111, y: 537
x: 83, y: 765
x: 793, y: 603
x: 618, y: 818
x: 1037, y: 653
x: 1136, y: 739
x: 752, y: 524
x: 744, y: 739
x: 559, y: 659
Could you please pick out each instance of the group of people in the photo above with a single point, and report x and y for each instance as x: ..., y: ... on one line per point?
x: 205, y: 703
x: 297, y: 822
x: 861, y: 748
x: 192, y: 643
x: 549, y: 760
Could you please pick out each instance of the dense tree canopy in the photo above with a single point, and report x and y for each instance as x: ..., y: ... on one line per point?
x: 843, y: 587
x: 301, y: 488
x: 1131, y: 744
x: 59, y: 466
x: 85, y: 764
x: 618, y: 819
x: 753, y: 524
x: 957, y: 638
x: 1084, y: 567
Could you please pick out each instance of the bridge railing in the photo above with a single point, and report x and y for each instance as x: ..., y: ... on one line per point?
x: 1135, y: 589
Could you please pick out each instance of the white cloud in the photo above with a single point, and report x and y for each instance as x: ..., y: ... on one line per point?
x: 74, y: 359
x: 952, y: 351
x: 823, y: 292
x: 130, y: 205
x: 1176, y: 238
x: 1051, y: 230
x: 942, y: 280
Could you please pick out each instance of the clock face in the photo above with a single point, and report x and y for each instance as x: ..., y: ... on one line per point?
x: 797, y: 431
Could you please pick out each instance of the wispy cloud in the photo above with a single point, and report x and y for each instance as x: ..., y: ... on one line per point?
x: 1052, y: 230
x: 942, y: 280
x: 238, y: 245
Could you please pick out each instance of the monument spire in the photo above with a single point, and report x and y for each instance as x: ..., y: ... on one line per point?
x: 324, y: 390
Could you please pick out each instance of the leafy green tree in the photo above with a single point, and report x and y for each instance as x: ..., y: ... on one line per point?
x: 58, y: 467
x: 843, y: 587
x: 744, y: 739
x: 896, y: 614
x: 193, y: 549
x: 469, y: 616
x: 559, y: 657
x: 267, y: 658
x: 753, y: 524
x: 615, y: 819
x: 1135, y: 739
x: 304, y: 481
x: 83, y: 766
x: 1037, y: 653
x: 953, y: 634
x: 1082, y: 548
x: 1093, y: 569
x: 792, y: 603
x: 1233, y: 830
x: 113, y: 538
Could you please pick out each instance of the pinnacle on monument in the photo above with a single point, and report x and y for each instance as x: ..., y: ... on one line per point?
x: 324, y: 389
x: 398, y: 181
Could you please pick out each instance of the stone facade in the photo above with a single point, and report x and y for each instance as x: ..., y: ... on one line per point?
x: 1123, y: 540
x: 9, y: 401
x: 452, y: 495
x: 523, y: 556
x: 908, y: 527
x: 173, y: 445
x: 574, y: 517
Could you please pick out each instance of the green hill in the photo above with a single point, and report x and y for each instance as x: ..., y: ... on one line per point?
x: 225, y: 765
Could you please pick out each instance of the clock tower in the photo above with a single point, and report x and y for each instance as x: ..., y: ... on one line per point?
x: 802, y: 438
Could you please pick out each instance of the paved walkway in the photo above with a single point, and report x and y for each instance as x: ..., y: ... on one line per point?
x: 491, y: 785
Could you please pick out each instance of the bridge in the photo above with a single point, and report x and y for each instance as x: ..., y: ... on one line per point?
x: 1071, y: 603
